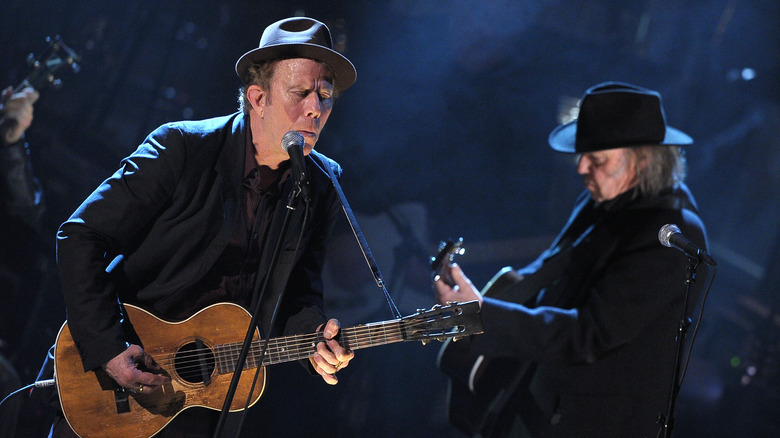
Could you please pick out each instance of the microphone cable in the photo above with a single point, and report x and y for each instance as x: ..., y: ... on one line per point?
x: 37, y: 384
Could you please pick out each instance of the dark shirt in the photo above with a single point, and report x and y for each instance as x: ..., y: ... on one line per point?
x: 232, y: 278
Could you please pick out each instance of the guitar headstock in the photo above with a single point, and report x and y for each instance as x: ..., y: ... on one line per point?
x: 43, y: 68
x: 447, y: 252
x: 454, y: 320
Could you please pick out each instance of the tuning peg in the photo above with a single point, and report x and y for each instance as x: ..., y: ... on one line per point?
x: 31, y: 61
x: 55, y: 83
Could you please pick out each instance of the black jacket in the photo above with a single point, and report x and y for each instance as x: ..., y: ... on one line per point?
x: 167, y: 214
x: 601, y: 322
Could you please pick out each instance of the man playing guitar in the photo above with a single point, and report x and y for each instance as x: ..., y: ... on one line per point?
x: 582, y: 341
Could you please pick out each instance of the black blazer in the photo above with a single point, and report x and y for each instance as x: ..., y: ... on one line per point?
x: 157, y: 225
x: 600, y: 327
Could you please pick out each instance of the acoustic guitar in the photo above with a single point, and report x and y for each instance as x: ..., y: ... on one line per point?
x: 200, y: 356
x: 481, y: 387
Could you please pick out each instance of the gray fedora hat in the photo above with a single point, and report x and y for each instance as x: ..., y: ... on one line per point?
x: 299, y: 37
x: 615, y: 115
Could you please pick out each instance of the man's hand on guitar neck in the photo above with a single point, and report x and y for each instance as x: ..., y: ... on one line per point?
x: 330, y: 356
x: 136, y: 370
x: 461, y: 290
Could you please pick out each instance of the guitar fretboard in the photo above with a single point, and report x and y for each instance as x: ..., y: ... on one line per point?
x: 296, y: 347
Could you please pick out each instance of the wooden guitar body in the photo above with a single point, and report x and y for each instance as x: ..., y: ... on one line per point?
x: 201, y: 354
x: 95, y: 406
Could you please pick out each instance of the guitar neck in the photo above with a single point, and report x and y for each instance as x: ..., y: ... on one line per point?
x: 297, y: 347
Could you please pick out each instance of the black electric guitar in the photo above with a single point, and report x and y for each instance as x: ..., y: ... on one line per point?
x: 480, y: 387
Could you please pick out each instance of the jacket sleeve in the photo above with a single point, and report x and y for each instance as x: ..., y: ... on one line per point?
x: 105, y: 226
x: 22, y: 197
x: 634, y: 285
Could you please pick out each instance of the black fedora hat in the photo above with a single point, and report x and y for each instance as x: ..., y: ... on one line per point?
x: 615, y: 115
x: 299, y: 37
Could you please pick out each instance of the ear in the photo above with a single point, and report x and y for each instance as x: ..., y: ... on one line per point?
x: 256, y: 97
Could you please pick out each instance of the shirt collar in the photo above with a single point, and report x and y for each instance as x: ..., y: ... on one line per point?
x: 251, y: 170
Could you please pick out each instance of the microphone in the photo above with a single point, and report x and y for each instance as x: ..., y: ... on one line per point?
x: 293, y: 142
x: 670, y: 235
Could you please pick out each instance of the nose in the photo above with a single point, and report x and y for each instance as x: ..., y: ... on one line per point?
x: 313, y: 106
x: 583, y: 165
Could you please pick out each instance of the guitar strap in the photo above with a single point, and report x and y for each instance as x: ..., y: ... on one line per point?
x: 372, y: 265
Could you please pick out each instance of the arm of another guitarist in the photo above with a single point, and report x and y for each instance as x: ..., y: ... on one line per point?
x: 16, y: 113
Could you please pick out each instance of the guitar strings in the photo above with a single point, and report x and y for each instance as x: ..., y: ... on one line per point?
x: 282, y: 344
x: 291, y: 343
x: 227, y: 354
x: 292, y: 347
x: 291, y: 340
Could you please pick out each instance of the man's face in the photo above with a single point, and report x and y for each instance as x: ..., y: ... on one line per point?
x: 608, y: 173
x: 300, y: 99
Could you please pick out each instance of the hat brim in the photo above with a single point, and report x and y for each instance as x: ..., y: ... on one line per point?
x: 342, y: 67
x: 563, y: 139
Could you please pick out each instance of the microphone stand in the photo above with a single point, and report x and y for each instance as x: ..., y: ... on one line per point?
x: 682, y: 330
x: 294, y: 196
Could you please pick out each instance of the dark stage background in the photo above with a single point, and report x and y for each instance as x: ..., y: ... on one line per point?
x: 443, y: 135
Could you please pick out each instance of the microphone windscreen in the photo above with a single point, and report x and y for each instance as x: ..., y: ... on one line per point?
x: 292, y: 138
x: 666, y: 232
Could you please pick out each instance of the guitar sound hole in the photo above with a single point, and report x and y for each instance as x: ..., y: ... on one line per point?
x: 194, y: 362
